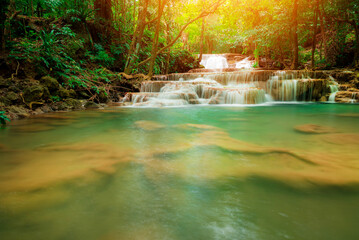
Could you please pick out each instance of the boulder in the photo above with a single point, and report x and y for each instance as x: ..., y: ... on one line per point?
x: 51, y: 83
x: 60, y: 106
x: 74, y: 104
x: 35, y: 93
x: 63, y: 93
x: 17, y: 112
x: 13, y: 97
x: 92, y: 105
x: 4, y: 82
x: 323, y: 99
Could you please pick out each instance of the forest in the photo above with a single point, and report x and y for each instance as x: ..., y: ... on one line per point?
x: 95, y: 49
x: 179, y: 119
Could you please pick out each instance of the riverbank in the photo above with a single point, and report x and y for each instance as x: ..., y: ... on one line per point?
x: 21, y: 98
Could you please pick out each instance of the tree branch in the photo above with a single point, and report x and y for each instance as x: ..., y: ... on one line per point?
x: 210, y: 10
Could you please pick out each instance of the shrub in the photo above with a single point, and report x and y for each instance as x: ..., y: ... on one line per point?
x: 3, y: 118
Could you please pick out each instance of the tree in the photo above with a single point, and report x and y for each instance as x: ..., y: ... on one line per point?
x: 3, y: 10
x: 104, y: 10
x: 315, y: 24
x: 161, y: 6
x: 207, y: 11
x: 295, y: 62
x: 137, y: 36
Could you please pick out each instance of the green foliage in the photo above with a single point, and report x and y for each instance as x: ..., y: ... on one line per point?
x: 100, y: 56
x: 182, y: 61
x: 55, y: 98
x: 304, y: 55
x: 3, y: 118
x: 47, y: 51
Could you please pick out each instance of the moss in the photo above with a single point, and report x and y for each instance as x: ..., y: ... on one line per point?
x: 51, y: 83
x: 63, y: 93
x: 74, y: 104
x: 91, y: 105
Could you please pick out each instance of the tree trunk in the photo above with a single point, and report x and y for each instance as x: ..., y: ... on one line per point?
x: 315, y: 23
x: 154, y: 54
x: 137, y: 37
x: 3, y: 9
x: 104, y: 10
x: 201, y: 43
x: 168, y: 40
x: 210, y: 10
x: 295, y: 62
x: 356, y: 49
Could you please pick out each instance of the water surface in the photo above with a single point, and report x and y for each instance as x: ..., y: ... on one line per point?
x: 183, y: 173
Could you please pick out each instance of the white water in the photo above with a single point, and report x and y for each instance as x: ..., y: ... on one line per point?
x: 245, y: 64
x: 215, y: 62
x: 247, y: 87
x: 333, y: 89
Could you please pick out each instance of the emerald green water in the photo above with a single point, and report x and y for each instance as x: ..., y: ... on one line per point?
x: 182, y: 173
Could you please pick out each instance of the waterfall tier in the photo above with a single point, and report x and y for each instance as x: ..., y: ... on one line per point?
x: 241, y: 87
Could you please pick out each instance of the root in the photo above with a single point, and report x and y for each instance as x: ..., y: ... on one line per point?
x: 30, y: 104
x: 17, y: 71
x: 129, y: 77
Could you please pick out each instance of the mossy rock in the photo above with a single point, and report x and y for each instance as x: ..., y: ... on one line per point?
x: 92, y: 105
x: 18, y: 112
x: 74, y: 104
x: 36, y: 93
x: 63, y: 93
x: 5, y: 100
x: 60, y: 106
x: 4, y: 83
x: 13, y: 97
x: 72, y: 93
x: 51, y: 83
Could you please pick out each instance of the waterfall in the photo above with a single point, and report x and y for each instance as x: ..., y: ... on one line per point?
x: 240, y: 87
x: 353, y: 100
x: 245, y: 64
x: 333, y: 89
x: 215, y: 62
x: 282, y: 90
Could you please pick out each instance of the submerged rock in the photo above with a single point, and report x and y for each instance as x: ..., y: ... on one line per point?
x: 314, y: 129
x: 148, y: 125
x: 351, y: 139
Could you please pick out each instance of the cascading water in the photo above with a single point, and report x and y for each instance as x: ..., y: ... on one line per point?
x: 245, y: 64
x: 242, y: 87
x: 215, y: 62
x: 333, y: 89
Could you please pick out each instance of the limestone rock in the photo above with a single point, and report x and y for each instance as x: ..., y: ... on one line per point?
x: 74, y: 104
x: 323, y: 99
x: 36, y: 93
x: 63, y: 93
x: 91, y: 105
x: 51, y: 83
x: 314, y: 129
x: 4, y: 82
x: 13, y: 97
